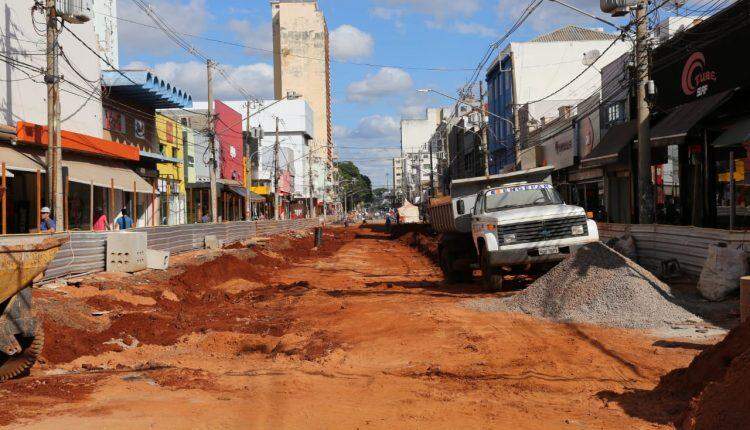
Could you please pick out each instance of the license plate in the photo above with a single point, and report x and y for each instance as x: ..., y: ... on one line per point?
x: 549, y: 250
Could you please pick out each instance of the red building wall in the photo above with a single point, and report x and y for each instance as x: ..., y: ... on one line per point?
x: 229, y: 136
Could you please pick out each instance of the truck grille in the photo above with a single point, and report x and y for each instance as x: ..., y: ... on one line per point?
x: 537, y: 231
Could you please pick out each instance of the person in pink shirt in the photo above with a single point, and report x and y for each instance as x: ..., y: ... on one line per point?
x: 100, y: 220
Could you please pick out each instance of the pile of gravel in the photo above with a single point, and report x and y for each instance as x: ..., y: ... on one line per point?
x: 600, y: 286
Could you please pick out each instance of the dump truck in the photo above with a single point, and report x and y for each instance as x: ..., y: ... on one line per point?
x: 504, y: 222
x: 22, y: 259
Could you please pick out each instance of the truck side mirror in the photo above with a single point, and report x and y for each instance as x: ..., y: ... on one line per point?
x: 460, y: 208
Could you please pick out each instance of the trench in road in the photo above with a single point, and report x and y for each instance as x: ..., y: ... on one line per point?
x: 361, y: 333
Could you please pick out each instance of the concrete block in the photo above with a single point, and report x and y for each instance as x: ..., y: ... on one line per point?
x: 158, y: 260
x: 126, y: 251
x: 212, y: 242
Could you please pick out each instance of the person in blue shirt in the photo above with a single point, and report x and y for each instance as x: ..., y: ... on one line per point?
x: 47, y: 225
x: 124, y: 222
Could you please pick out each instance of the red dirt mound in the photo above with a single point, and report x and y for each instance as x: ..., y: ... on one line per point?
x: 719, y: 376
x: 200, y: 307
x: 711, y: 393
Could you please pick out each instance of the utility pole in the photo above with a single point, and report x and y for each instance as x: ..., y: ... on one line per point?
x: 212, y: 144
x: 276, y: 174
x: 483, y: 127
x: 645, y: 188
x: 55, y: 196
x: 432, y: 172
x: 310, y: 178
x: 248, y: 163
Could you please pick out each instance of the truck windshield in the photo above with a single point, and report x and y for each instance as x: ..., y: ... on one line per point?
x: 520, y: 196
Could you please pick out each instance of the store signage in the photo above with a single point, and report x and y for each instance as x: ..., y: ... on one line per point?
x: 559, y: 150
x: 114, y: 121
x: 696, y: 75
x: 140, y: 129
x: 702, y: 61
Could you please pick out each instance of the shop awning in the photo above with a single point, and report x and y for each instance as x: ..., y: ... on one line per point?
x: 608, y: 149
x: 22, y: 161
x: 159, y: 157
x: 145, y: 88
x: 37, y: 135
x: 673, y: 129
x: 236, y: 189
x: 737, y: 135
x: 103, y: 173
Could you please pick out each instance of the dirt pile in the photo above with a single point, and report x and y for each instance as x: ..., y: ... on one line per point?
x: 711, y: 393
x: 197, y: 301
x: 600, y: 286
x: 418, y: 236
x: 717, y: 382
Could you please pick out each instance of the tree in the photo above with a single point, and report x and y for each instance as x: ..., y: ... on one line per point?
x: 356, y: 186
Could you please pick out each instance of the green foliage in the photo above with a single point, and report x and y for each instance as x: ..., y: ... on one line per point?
x: 356, y: 186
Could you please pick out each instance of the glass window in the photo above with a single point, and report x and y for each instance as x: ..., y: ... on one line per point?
x: 521, y: 196
x: 615, y: 112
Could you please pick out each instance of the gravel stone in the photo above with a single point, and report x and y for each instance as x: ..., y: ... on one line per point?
x: 600, y: 286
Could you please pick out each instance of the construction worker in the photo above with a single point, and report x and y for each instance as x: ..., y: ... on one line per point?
x: 47, y: 225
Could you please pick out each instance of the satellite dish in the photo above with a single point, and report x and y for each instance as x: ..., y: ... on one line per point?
x: 590, y: 57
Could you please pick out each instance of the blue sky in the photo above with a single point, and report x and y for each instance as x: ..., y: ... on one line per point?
x: 368, y: 101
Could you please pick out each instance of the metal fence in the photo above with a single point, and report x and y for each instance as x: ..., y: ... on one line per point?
x: 689, y: 245
x: 85, y: 252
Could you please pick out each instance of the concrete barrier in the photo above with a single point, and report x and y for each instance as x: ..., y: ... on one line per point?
x: 86, y: 251
x: 689, y: 245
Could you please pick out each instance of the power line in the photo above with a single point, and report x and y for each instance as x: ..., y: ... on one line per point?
x: 270, y: 51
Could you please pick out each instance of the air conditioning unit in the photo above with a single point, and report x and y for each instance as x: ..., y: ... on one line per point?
x: 617, y: 7
x: 75, y: 11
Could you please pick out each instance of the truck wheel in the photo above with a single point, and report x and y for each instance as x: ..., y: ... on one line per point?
x: 16, y: 365
x: 491, y: 276
x: 452, y: 275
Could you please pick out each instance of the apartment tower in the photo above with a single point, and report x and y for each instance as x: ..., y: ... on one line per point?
x: 301, y: 64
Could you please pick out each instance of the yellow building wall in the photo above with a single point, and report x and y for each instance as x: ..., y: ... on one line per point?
x: 169, y: 136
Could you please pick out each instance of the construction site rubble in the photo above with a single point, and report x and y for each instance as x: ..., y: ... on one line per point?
x: 600, y: 286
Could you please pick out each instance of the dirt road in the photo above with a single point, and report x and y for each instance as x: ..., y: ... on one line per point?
x: 361, y: 333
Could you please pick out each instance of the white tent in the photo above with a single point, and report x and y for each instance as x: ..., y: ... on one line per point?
x: 408, y: 213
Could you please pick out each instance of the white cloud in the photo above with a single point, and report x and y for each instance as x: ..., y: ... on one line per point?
x: 389, y: 14
x: 258, y: 36
x: 370, y: 127
x: 135, y: 39
x: 348, y: 42
x: 474, y: 28
x: 377, y: 126
x: 386, y: 82
x: 256, y: 79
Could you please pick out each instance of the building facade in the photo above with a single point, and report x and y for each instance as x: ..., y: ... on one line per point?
x: 528, y: 73
x: 301, y: 53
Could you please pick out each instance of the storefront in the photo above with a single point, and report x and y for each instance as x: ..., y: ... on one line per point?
x: 702, y: 131
x: 95, y: 177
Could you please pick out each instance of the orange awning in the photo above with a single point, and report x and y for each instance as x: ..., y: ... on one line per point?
x: 37, y: 134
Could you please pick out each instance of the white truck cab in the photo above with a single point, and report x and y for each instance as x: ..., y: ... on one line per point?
x: 525, y: 224
x: 505, y: 220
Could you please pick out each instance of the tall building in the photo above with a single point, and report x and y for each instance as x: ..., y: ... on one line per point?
x: 301, y: 64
